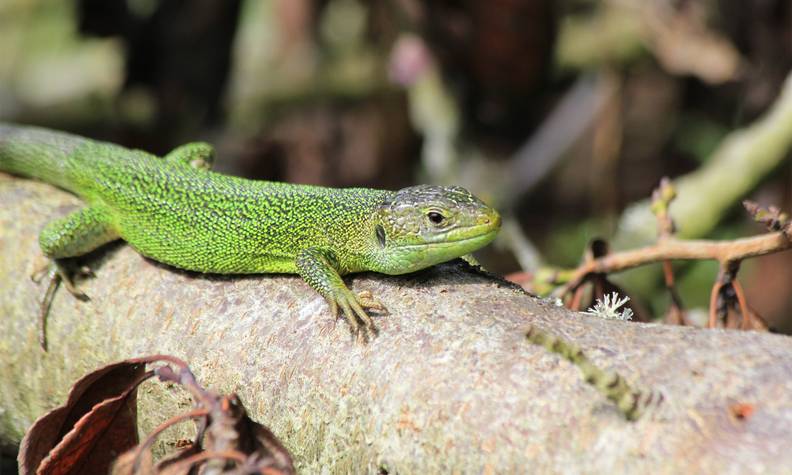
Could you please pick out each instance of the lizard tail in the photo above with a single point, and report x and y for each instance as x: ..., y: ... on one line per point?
x: 38, y: 153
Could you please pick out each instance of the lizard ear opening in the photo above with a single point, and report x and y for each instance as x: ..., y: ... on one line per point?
x: 380, y: 235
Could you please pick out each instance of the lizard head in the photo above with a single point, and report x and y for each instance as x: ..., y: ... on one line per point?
x: 424, y: 225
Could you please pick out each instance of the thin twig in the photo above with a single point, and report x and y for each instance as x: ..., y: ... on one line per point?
x: 725, y: 252
x: 183, y: 465
x: 746, y: 314
x: 713, y: 305
x: 195, y: 413
x: 676, y: 312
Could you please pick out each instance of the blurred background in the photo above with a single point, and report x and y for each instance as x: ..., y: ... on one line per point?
x: 562, y: 114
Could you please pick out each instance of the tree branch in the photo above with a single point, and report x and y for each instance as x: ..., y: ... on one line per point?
x: 675, y: 249
x: 451, y: 384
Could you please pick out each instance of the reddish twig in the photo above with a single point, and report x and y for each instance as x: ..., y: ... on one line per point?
x: 713, y: 305
x: 676, y: 314
x: 662, y: 197
x: 183, y: 465
x: 747, y: 315
x: 195, y: 413
x: 727, y: 293
x: 577, y: 297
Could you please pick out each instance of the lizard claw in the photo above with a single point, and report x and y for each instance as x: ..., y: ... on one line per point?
x: 39, y: 273
x: 56, y: 273
x: 360, y: 324
x: 68, y: 281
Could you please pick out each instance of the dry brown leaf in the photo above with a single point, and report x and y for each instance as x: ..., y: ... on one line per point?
x: 101, y: 409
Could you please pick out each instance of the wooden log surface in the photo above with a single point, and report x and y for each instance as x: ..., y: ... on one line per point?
x: 450, y: 385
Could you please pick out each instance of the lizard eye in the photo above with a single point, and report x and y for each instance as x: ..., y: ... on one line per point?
x: 435, y: 217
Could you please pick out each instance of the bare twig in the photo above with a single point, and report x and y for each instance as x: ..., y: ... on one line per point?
x: 675, y: 249
x: 662, y: 197
x: 726, y: 293
x: 676, y: 314
x: 746, y: 314
x: 195, y: 413
x: 232, y: 455
x: 713, y: 304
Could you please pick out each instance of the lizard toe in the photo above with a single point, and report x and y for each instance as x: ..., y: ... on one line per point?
x: 367, y: 300
x: 40, y: 272
x: 59, y: 272
x: 349, y: 315
x: 360, y: 324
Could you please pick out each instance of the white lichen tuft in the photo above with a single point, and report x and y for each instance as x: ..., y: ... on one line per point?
x: 608, y: 308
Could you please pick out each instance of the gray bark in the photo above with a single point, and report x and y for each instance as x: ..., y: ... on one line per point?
x: 449, y: 385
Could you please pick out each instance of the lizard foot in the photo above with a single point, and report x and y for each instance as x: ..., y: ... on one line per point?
x: 360, y: 324
x: 56, y: 273
x: 54, y: 270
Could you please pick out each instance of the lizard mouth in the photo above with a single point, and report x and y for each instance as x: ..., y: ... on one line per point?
x: 484, y: 238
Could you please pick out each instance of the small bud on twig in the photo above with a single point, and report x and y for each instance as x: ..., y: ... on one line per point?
x: 772, y: 216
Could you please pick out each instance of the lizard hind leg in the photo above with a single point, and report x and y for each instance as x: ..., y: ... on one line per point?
x: 71, y: 236
x: 199, y: 155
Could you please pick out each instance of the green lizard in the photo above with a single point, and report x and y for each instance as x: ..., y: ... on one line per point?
x: 176, y: 211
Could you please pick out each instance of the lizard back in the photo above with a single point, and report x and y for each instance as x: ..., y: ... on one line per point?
x: 190, y: 218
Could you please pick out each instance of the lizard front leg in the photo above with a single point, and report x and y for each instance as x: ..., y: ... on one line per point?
x: 320, y: 270
x: 73, y: 235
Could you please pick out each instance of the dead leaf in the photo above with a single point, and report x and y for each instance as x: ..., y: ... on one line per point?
x: 100, y: 415
x: 99, y: 422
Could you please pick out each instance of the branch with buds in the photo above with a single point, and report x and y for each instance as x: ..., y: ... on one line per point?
x: 727, y: 301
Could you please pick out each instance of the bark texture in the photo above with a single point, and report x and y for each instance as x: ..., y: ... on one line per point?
x: 449, y: 386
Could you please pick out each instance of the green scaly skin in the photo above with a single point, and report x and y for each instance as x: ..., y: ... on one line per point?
x: 174, y: 210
